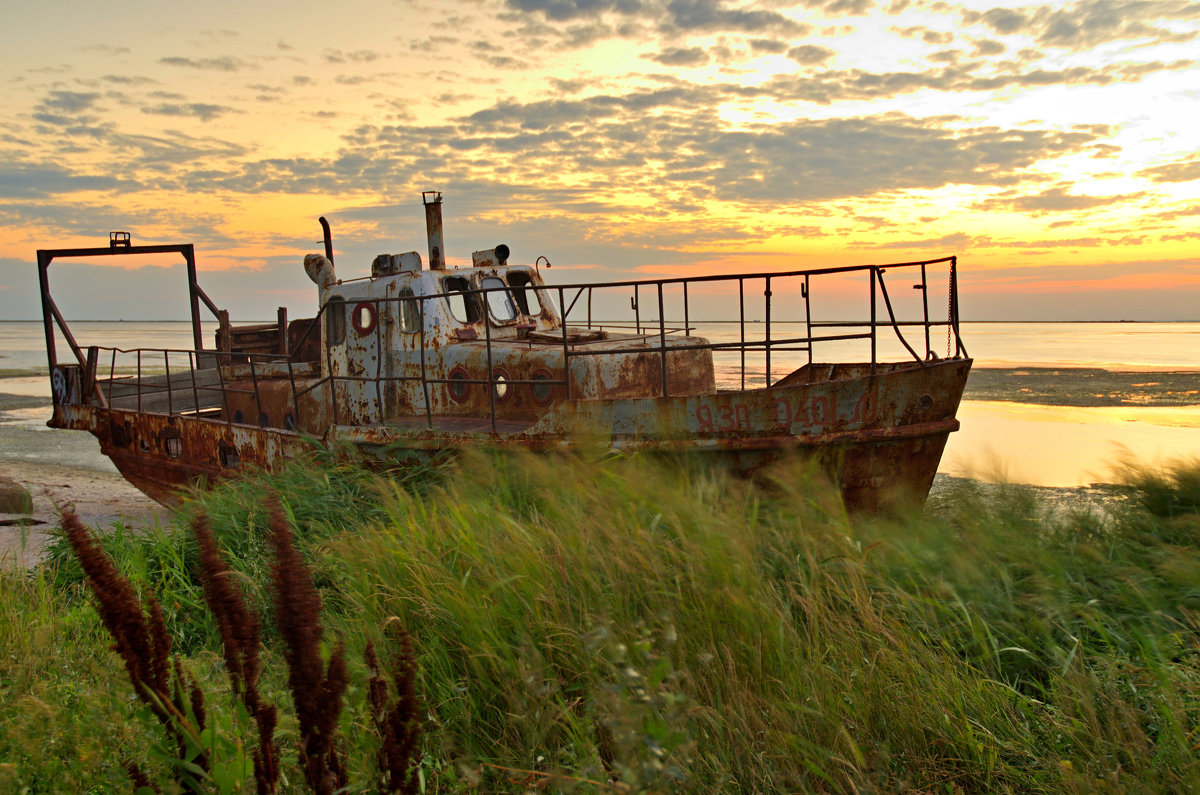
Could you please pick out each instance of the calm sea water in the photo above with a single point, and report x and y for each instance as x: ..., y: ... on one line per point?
x: 1054, y: 446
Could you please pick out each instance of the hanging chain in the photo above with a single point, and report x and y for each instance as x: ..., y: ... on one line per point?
x: 949, y: 310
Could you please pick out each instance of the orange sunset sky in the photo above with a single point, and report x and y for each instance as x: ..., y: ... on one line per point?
x: 1055, y: 149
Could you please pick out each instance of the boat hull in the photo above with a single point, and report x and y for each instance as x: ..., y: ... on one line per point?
x: 879, y: 432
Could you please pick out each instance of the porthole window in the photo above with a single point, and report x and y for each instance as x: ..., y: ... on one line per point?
x: 460, y: 390
x: 500, y: 385
x: 172, y: 445
x: 364, y: 318
x: 543, y: 392
x: 229, y: 456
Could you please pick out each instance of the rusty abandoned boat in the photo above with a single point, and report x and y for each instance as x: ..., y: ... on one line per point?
x: 417, y: 360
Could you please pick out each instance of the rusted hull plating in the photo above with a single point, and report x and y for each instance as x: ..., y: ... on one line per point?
x: 881, y: 436
x: 162, y: 455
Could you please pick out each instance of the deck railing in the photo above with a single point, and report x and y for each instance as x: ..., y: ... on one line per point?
x: 204, y: 383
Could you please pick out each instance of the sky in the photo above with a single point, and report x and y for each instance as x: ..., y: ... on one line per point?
x: 1052, y: 148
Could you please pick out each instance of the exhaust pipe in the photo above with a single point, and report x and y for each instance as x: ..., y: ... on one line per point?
x: 433, y: 227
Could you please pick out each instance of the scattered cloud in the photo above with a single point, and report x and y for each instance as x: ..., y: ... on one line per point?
x: 73, y: 102
x: 1052, y: 200
x: 1179, y: 171
x: 41, y: 180
x: 681, y: 56
x: 226, y: 63
x: 810, y: 54
x: 106, y: 49
x: 354, y: 56
x: 1089, y: 23
x: 203, y: 111
x: 678, y: 17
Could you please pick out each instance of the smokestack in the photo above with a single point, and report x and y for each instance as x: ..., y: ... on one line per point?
x: 433, y: 226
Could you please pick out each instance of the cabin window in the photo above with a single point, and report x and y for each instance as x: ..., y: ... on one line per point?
x: 499, y: 303
x: 410, y: 313
x: 335, y: 321
x: 524, y: 292
x: 464, y: 305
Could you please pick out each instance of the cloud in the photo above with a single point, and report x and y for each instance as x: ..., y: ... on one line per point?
x: 1179, y: 171
x: 41, y: 180
x: 226, y: 63
x: 1052, y: 200
x: 129, y: 80
x: 770, y: 46
x: 830, y: 86
x: 987, y: 47
x: 354, y: 56
x: 810, y: 54
x: 73, y: 102
x: 200, y: 110
x: 674, y: 137
x: 676, y: 17
x: 1088, y: 23
x: 106, y: 49
x: 681, y: 56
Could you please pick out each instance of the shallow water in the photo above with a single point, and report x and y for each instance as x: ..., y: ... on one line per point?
x: 1065, y: 446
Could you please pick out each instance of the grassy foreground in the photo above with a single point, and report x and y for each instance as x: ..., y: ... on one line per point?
x: 632, y: 626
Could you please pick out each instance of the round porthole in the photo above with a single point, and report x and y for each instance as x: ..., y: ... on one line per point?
x: 543, y: 392
x: 170, y: 442
x: 460, y: 390
x: 363, y: 318
x: 500, y: 384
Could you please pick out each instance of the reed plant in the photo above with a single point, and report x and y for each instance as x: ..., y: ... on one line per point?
x: 626, y: 624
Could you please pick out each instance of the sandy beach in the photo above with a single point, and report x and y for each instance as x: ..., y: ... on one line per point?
x: 60, y: 469
x: 65, y: 468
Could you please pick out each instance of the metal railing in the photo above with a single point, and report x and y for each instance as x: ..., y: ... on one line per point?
x: 157, y: 379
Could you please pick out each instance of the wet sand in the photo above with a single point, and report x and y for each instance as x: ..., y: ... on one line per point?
x: 1084, y: 387
x: 60, y: 469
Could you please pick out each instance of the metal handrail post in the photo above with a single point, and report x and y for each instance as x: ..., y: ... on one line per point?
x: 491, y: 380
x: 873, y: 365
x: 662, y: 338
x: 808, y: 319
x: 167, y: 367
x: 566, y: 349
x: 767, y: 295
x: 742, y: 325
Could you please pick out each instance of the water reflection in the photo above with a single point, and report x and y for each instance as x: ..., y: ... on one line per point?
x: 1065, y: 446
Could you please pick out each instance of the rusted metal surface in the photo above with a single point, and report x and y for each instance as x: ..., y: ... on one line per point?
x: 161, y: 454
x: 423, y: 362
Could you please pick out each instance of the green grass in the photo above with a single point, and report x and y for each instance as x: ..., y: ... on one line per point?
x: 581, y: 622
